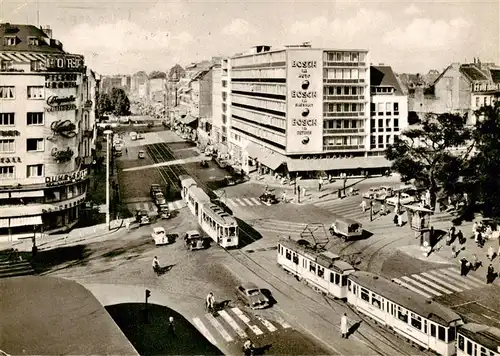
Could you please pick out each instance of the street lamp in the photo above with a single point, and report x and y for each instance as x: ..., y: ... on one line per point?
x: 108, y: 134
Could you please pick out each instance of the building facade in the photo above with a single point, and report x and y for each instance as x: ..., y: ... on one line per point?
x: 299, y: 110
x: 217, y: 102
x: 139, y: 85
x: 46, y: 104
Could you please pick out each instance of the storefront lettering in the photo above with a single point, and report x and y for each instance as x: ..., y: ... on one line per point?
x: 61, y: 108
x: 55, y: 100
x: 65, y: 178
x: 65, y: 62
x: 10, y: 160
x: 296, y: 94
x: 304, y: 64
x: 481, y: 87
x: 305, y: 122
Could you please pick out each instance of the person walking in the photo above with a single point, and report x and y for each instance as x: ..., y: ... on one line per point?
x: 474, y: 262
x: 453, y: 251
x: 156, y: 266
x: 343, y: 326
x: 491, y: 253
x: 371, y: 210
x: 463, y: 267
x: 490, y: 275
x: 171, y: 327
x: 363, y: 206
x: 210, y: 301
x: 320, y: 183
x: 474, y: 230
x: 382, y: 209
x: 283, y: 197
x: 127, y: 224
x: 400, y: 220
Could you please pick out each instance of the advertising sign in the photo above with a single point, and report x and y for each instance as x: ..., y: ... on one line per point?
x: 66, y: 178
x: 57, y: 103
x: 65, y: 63
x: 486, y: 87
x: 304, y: 101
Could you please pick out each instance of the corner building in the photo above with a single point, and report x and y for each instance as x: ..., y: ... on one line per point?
x: 299, y: 110
x: 46, y: 133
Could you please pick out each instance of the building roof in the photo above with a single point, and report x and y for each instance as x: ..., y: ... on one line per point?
x: 55, y: 316
x: 495, y: 75
x: 384, y: 76
x: 486, y: 336
x: 22, y: 32
x: 472, y: 72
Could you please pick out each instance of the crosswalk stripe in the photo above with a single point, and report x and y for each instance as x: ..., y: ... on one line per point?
x: 432, y: 284
x: 247, y: 201
x: 256, y: 201
x: 219, y: 327
x: 436, y: 277
x: 284, y: 324
x: 267, y: 324
x: 241, y: 333
x: 230, y: 201
x: 410, y: 287
x: 469, y: 278
x: 246, y: 320
x: 240, y: 202
x: 424, y: 287
x: 203, y: 329
x: 458, y: 280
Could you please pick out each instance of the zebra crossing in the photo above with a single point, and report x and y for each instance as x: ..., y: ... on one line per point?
x: 437, y: 282
x: 244, y: 202
x: 151, y: 207
x: 232, y: 325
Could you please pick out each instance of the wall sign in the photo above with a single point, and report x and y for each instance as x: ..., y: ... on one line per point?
x: 305, y: 102
x: 66, y: 178
x: 61, y: 81
x: 9, y: 133
x: 10, y: 160
x: 485, y: 87
x: 56, y: 100
x: 70, y: 63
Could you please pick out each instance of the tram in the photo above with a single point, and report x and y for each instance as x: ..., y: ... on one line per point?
x: 478, y: 339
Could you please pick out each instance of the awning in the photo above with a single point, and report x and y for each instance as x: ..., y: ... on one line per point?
x: 26, y: 220
x: 27, y: 194
x: 4, y: 195
x: 4, y: 223
x: 303, y: 165
x: 265, y: 156
x: 188, y: 119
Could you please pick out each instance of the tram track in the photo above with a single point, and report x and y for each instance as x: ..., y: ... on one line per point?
x: 159, y: 151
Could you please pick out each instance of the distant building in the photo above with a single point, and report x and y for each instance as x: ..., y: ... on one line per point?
x: 217, y: 94
x: 139, y: 85
x: 175, y: 74
x: 115, y: 81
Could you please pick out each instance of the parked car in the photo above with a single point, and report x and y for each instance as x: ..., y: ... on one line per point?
x: 155, y: 188
x: 371, y: 193
x: 228, y: 180
x: 163, y: 211
x: 161, y: 238
x: 384, y: 192
x: 140, y: 136
x: 252, y: 296
x: 142, y: 217
x: 268, y: 198
x: 222, y: 163
x: 141, y: 154
x: 403, y: 200
x: 159, y: 199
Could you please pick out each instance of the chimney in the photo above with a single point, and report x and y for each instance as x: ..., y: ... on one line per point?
x: 47, y: 30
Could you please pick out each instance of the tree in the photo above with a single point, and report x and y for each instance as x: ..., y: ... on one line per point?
x: 433, y: 154
x: 484, y: 166
x: 157, y: 74
x: 103, y: 104
x: 120, y: 102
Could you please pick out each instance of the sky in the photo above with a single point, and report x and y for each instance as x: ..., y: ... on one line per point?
x: 123, y: 37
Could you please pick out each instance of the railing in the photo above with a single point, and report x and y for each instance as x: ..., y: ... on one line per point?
x: 343, y: 64
x: 343, y: 114
x: 343, y: 147
x: 341, y: 131
x: 344, y: 81
x: 343, y: 98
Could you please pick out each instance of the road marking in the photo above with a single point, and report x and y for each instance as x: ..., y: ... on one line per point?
x: 408, y: 279
x: 232, y: 202
x: 240, y: 202
x: 458, y: 280
x: 246, y: 320
x: 436, y: 277
x: 219, y: 327
x: 477, y: 281
x: 283, y: 323
x: 410, y: 287
x: 256, y: 201
x: 267, y: 324
x: 203, y: 329
x: 241, y: 333
x: 432, y: 284
x: 248, y: 201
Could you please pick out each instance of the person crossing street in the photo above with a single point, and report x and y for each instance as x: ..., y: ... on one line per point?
x: 343, y: 326
x: 210, y: 302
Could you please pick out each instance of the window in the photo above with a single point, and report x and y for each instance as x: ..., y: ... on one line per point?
x: 354, y: 107
x: 433, y: 330
x: 485, y: 101
x: 380, y: 123
x: 346, y: 107
x: 295, y: 259
x: 7, y: 146
x: 388, y: 139
x: 34, y: 144
x: 346, y: 90
x: 339, y: 90
x: 7, y: 65
x: 477, y: 102
x: 344, y: 281
x: 9, y: 41
x: 288, y: 254
x: 396, y: 108
x: 312, y: 267
x: 388, y: 108
x: 7, y: 119
x: 354, y: 91
x: 469, y: 347
x: 416, y: 321
x: 33, y: 41
x: 321, y: 271
x: 35, y: 92
x: 376, y: 301
x: 380, y: 140
x: 7, y: 92
x: 402, y: 314
x: 35, y: 118
x: 6, y: 172
x: 380, y: 109
x: 337, y: 278
x: 365, y: 295
x: 396, y: 124
x: 451, y: 334
x: 461, y: 345
x: 441, y: 333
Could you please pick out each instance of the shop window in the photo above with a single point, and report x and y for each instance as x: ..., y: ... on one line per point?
x: 416, y: 321
x: 441, y: 333
x: 402, y: 314
x: 312, y: 267
x: 365, y: 295
x: 376, y: 301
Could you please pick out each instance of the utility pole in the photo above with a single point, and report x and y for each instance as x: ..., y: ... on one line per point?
x: 108, y: 134
x: 148, y: 294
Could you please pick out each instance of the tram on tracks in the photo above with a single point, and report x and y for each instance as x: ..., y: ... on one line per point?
x: 478, y: 339
x: 214, y: 221
x: 426, y: 323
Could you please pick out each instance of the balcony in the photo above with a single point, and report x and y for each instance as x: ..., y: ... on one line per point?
x: 343, y: 114
x: 343, y: 147
x: 344, y: 98
x: 343, y: 131
x: 343, y: 81
x: 343, y: 64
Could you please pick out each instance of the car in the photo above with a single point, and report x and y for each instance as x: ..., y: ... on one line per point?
x: 228, y: 180
x: 268, y: 199
x: 140, y: 136
x: 141, y: 154
x: 195, y: 241
x: 159, y: 199
x: 370, y: 194
x: 142, y: 217
x: 403, y: 200
x: 384, y: 192
x: 155, y: 188
x: 252, y: 296
x: 160, y: 237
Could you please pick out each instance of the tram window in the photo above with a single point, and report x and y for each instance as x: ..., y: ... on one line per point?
x: 332, y: 277
x: 416, y: 321
x: 288, y: 254
x: 392, y: 309
x: 461, y: 342
x: 402, y: 314
x: 376, y: 301
x: 349, y: 284
x: 469, y: 347
x: 433, y: 330
x: 425, y: 326
x: 312, y: 267
x: 344, y: 281
x: 451, y: 334
x: 483, y: 351
x: 365, y: 295
x: 441, y: 333
x: 337, y: 278
x: 280, y: 250
x: 295, y: 259
x: 232, y: 231
x: 355, y: 289
x: 321, y: 271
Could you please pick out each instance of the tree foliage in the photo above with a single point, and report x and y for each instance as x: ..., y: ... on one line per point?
x: 120, y: 102
x: 433, y: 154
x: 104, y: 104
x: 157, y: 74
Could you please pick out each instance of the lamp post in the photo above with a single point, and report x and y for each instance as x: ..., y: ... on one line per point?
x: 108, y: 134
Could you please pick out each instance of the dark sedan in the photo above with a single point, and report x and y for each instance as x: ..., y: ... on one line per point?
x: 252, y: 296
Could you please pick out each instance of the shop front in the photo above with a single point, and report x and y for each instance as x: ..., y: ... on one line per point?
x: 263, y: 160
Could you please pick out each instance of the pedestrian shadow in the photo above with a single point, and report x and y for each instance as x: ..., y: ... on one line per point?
x: 165, y: 269
x: 261, y: 350
x: 221, y: 305
x: 353, y: 328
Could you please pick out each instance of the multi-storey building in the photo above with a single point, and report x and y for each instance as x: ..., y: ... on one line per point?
x: 299, y: 109
x: 116, y: 81
x: 217, y: 103
x: 174, y: 76
x: 388, y: 109
x: 46, y: 104
x: 139, y: 85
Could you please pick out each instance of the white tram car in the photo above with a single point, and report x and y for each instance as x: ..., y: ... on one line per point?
x: 323, y: 270
x: 478, y: 340
x: 418, y: 319
x: 219, y: 225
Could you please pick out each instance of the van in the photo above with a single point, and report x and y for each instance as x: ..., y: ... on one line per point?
x: 346, y: 228
x: 133, y: 136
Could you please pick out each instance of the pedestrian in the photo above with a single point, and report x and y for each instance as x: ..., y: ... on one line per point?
x: 210, y: 301
x: 127, y: 224
x: 395, y: 220
x: 491, y: 253
x: 463, y: 267
x: 283, y: 197
x: 490, y: 275
x: 453, y: 251
x: 170, y: 326
x: 400, y: 220
x: 382, y: 209
x: 126, y: 150
x: 320, y: 183
x: 343, y: 326
x: 351, y: 191
x: 363, y: 206
x: 474, y: 228
x: 265, y: 188
x: 156, y: 265
x: 474, y: 262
